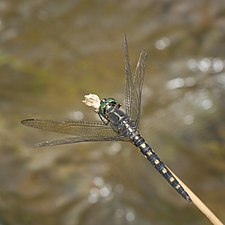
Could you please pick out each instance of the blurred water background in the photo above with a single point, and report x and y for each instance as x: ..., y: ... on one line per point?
x: 52, y: 53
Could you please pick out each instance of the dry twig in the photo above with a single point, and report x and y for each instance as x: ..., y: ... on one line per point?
x: 94, y: 101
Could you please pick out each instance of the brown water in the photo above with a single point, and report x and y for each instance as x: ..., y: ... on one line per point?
x: 54, y: 52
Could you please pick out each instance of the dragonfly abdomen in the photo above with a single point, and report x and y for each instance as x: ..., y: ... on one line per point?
x: 147, y: 151
x: 124, y: 126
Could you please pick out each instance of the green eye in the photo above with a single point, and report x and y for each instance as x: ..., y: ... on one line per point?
x: 104, y: 103
x: 111, y: 100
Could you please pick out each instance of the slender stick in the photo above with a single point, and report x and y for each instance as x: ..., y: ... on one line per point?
x: 199, y: 204
x: 94, y: 101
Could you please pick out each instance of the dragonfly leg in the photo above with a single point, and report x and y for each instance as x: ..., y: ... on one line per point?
x: 106, y: 122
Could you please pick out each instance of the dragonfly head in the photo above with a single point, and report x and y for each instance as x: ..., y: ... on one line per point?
x: 106, y: 104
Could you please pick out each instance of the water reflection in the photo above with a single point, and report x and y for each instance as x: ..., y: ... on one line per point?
x: 101, y: 190
x: 162, y: 43
x: 114, y: 148
x: 181, y: 83
x: 214, y: 65
x: 76, y: 115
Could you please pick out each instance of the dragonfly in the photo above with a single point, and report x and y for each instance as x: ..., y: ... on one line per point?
x: 115, y: 124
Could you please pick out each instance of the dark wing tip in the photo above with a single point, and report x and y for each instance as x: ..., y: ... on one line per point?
x: 143, y: 55
x: 125, y: 37
x: 144, y: 52
x: 42, y: 144
x: 26, y: 121
x: 125, y: 41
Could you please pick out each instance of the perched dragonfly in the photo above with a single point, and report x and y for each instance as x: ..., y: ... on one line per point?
x: 115, y: 124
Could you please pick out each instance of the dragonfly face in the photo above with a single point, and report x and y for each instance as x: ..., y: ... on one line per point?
x: 106, y: 105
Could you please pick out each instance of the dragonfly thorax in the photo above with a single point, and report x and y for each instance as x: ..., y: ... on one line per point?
x: 107, y: 106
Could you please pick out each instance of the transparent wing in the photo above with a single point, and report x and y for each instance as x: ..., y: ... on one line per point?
x: 134, y: 84
x: 72, y: 140
x: 128, y: 79
x: 138, y: 80
x: 76, y: 128
x: 83, y: 131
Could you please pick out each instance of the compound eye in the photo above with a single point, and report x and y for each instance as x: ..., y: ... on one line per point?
x: 112, y: 103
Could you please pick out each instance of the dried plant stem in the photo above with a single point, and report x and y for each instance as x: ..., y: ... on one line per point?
x: 94, y: 101
x: 199, y: 204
